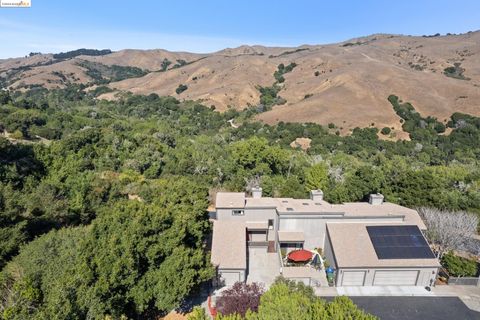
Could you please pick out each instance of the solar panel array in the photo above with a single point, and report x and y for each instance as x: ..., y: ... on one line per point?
x: 399, y: 242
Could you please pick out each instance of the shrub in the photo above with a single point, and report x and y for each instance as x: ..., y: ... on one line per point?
x: 317, y: 73
x: 165, y: 64
x: 282, y: 69
x: 459, y: 266
x: 386, y: 130
x: 240, y: 298
x: 455, y: 72
x: 181, y: 88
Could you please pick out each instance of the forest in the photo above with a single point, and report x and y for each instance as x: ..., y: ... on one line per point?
x: 103, y: 204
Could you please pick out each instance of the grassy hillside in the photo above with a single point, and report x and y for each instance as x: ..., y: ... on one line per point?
x: 344, y: 83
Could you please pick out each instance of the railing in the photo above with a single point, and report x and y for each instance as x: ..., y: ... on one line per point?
x: 463, y: 281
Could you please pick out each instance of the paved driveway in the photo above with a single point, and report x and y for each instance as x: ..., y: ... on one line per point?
x: 421, y: 308
x: 263, y: 267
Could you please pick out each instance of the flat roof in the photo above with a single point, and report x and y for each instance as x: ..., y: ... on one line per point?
x: 353, y: 248
x: 230, y: 200
x: 387, y: 208
x: 229, y: 247
x: 291, y: 236
x: 290, y: 206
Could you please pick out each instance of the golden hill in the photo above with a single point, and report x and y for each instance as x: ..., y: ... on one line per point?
x: 346, y: 83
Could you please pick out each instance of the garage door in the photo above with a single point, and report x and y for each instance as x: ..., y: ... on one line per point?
x: 353, y: 278
x: 229, y: 278
x: 396, y: 278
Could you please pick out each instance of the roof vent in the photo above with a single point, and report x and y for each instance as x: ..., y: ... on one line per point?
x: 305, y: 204
x: 289, y: 209
x: 376, y: 199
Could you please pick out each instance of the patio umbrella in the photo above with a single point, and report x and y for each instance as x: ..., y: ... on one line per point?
x: 300, y: 255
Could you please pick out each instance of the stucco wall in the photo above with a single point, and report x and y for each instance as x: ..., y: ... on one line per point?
x: 328, y: 252
x: 228, y: 278
x: 259, y: 214
x: 423, y: 280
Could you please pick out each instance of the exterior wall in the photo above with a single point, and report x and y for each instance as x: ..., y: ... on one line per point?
x: 229, y: 278
x: 260, y: 214
x: 423, y: 280
x: 328, y: 252
x: 257, y: 236
x: 313, y: 230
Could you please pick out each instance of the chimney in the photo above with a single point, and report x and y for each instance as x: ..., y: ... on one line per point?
x: 256, y: 192
x: 316, y: 195
x: 375, y: 199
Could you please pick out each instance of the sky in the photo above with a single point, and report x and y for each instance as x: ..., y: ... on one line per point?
x: 51, y: 26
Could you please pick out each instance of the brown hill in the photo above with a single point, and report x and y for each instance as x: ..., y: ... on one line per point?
x: 346, y: 84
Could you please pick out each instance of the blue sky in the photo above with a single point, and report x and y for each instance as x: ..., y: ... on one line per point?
x: 206, y: 26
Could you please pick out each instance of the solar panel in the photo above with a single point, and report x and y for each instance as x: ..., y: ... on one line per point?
x: 399, y: 242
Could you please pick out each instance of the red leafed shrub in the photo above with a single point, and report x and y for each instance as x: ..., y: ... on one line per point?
x: 239, y: 298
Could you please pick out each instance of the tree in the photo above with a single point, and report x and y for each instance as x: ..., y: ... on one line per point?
x: 181, y: 88
x: 240, y: 298
x: 448, y: 230
x: 198, y: 313
x: 289, y: 300
x: 459, y: 266
x: 316, y: 177
x: 386, y: 130
x: 138, y: 259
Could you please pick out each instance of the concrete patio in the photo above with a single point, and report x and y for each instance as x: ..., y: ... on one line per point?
x: 263, y: 267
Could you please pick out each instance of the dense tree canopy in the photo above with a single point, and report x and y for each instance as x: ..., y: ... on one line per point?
x: 290, y: 300
x: 77, y: 172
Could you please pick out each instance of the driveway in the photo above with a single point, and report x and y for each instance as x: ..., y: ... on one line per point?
x: 421, y: 308
x: 263, y: 267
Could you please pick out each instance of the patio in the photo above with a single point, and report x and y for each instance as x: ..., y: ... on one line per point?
x: 308, y: 275
x: 263, y: 267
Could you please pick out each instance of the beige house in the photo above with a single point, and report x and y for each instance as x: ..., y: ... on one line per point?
x: 344, y: 233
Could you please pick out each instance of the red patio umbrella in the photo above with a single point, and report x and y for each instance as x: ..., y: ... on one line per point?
x: 300, y: 255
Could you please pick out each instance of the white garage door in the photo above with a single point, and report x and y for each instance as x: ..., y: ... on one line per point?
x: 229, y: 278
x: 353, y: 278
x: 395, y: 278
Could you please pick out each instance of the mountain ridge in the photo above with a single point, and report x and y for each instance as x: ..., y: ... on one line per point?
x: 345, y: 83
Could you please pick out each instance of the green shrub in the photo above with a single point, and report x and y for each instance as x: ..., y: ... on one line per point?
x: 181, y: 88
x: 455, y: 72
x: 282, y: 69
x: 459, y: 266
x: 386, y: 130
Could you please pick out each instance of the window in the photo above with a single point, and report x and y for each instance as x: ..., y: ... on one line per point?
x: 291, y: 245
x: 270, y: 224
x: 238, y: 213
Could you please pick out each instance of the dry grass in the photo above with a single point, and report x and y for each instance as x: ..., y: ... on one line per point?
x: 349, y: 85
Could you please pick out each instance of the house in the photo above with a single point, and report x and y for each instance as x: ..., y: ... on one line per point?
x: 367, y: 243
